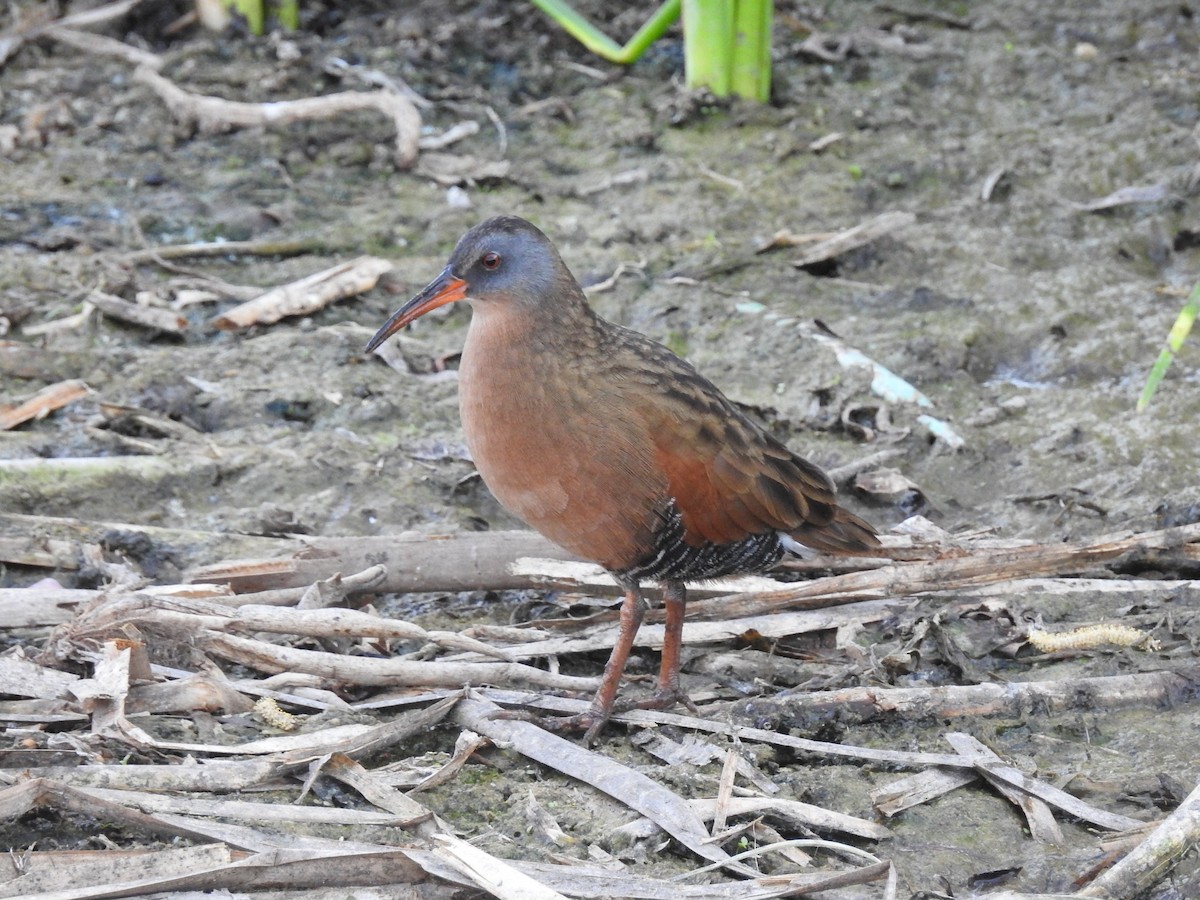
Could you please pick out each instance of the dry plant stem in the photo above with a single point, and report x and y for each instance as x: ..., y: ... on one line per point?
x: 217, y: 114
x: 956, y: 573
x: 603, y: 636
x: 795, y: 814
x: 1038, y: 816
x: 496, y: 876
x: 39, y: 792
x: 460, y: 562
x: 99, y: 15
x: 1162, y: 849
x: 1007, y: 774
x: 1147, y: 689
x: 216, y: 776
x: 101, y: 45
x: 652, y: 800
x: 920, y: 788
x: 222, y: 248
x: 295, y: 868
x: 247, y: 810
x: 152, y: 317
x: 187, y: 614
x: 852, y: 238
x: 390, y: 672
x: 306, y: 296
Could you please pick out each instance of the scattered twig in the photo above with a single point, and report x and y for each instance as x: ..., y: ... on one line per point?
x: 306, y: 296
x: 343, y: 669
x: 1015, y: 698
x: 44, y: 402
x: 1153, y: 193
x: 218, y: 114
x: 988, y: 189
x: 223, y: 248
x: 101, y: 45
x: 153, y: 317
x: 1038, y: 816
x: 608, y: 182
x: 668, y: 811
x: 852, y: 238
x: 637, y: 268
x: 450, y: 136
x: 1161, y: 851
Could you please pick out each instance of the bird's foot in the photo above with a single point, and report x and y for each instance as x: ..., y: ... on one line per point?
x: 590, y: 721
x: 663, y: 698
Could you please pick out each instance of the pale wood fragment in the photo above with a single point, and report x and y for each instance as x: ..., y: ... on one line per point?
x: 306, y: 296
x: 44, y: 402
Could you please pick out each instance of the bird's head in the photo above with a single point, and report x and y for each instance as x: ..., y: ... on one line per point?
x: 504, y: 261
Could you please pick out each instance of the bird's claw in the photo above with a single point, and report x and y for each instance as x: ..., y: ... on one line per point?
x: 663, y: 698
x: 590, y: 722
x: 593, y: 719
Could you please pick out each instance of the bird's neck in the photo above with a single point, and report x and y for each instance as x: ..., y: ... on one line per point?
x: 521, y: 366
x: 549, y: 334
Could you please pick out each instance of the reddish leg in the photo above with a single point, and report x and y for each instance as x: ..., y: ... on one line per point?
x: 633, y: 610
x: 666, y: 695
x: 668, y: 692
x: 591, y: 720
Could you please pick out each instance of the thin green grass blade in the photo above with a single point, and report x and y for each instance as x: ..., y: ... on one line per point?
x: 600, y: 43
x: 1179, y: 332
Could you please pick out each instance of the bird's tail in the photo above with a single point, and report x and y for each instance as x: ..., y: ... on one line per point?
x: 846, y: 533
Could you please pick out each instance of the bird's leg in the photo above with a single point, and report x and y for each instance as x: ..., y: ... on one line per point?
x: 668, y: 692
x: 633, y: 610
x: 592, y: 719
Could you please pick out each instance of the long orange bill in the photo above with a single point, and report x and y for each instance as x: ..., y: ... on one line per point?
x: 446, y: 288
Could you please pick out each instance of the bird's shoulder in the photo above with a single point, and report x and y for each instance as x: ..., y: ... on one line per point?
x: 728, y: 477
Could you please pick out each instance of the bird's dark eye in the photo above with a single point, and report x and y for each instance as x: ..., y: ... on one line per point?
x: 491, y: 260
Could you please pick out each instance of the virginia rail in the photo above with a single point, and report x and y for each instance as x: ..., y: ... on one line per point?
x: 615, y: 448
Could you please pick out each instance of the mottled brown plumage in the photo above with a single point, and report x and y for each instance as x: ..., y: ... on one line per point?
x: 615, y: 448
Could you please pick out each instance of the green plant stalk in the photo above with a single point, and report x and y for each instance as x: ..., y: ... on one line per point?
x: 750, y: 74
x: 1179, y: 332
x: 252, y: 10
x: 708, y: 42
x: 600, y: 43
x: 726, y: 43
x: 287, y: 12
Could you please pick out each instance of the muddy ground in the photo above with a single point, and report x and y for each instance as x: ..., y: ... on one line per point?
x: 1029, y: 322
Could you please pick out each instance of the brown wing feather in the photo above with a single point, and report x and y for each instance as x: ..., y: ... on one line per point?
x: 731, y: 480
x: 705, y: 512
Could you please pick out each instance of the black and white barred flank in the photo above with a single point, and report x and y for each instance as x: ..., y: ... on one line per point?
x: 673, y: 559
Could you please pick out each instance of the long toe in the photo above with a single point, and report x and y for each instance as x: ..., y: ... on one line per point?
x: 590, y: 721
x: 663, y: 698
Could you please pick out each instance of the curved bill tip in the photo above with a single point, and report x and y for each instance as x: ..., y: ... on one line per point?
x: 446, y: 288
